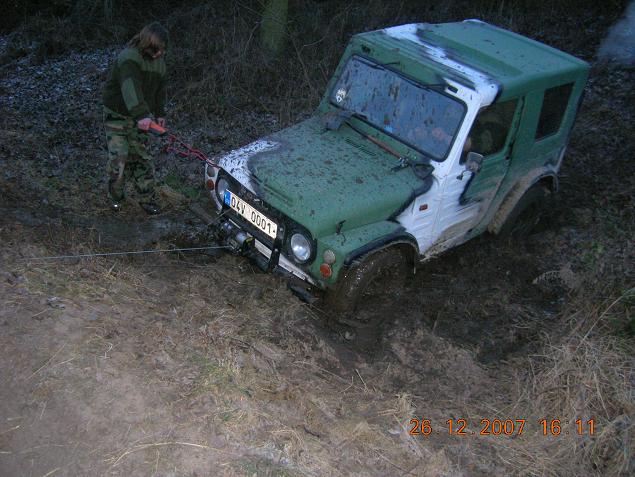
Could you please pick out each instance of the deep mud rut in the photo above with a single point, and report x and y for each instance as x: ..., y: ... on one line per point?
x: 197, y: 364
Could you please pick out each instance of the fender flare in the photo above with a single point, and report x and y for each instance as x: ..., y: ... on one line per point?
x: 541, y: 175
x: 399, y: 239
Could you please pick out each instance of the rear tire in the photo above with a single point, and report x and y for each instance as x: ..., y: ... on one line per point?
x: 529, y: 211
x: 370, y: 283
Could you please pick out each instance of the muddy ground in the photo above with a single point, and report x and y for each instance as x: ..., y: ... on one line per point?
x: 197, y: 364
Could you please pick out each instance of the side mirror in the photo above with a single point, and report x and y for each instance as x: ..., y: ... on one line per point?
x: 473, y: 162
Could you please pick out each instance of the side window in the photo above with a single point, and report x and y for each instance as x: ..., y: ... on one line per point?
x: 490, y: 129
x: 553, y: 107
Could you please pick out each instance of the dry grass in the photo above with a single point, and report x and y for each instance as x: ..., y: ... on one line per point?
x: 249, y: 362
x: 584, y: 373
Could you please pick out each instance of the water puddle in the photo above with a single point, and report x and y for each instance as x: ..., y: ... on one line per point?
x: 111, y: 231
x: 619, y: 44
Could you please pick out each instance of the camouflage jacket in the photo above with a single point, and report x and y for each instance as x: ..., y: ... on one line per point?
x: 136, y: 85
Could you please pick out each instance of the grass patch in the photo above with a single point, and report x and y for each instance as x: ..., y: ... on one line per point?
x: 212, y: 373
x: 175, y: 182
x: 223, y: 375
x: 263, y: 468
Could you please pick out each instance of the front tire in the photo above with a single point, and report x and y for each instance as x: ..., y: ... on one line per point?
x: 367, y: 285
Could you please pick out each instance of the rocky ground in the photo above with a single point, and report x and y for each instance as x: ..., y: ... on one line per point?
x: 196, y: 364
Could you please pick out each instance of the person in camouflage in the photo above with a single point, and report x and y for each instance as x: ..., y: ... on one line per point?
x: 134, y: 93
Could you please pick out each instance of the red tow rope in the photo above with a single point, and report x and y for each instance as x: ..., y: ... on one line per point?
x: 176, y: 146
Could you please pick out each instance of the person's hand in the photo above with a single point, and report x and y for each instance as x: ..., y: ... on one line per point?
x: 161, y: 122
x: 144, y: 124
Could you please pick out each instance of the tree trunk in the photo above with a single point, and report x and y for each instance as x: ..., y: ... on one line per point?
x: 274, y: 26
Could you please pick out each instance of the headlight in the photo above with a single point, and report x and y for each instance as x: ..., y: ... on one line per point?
x: 301, y: 247
x: 221, y: 186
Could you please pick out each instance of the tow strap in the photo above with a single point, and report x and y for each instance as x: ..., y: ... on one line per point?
x: 176, y: 145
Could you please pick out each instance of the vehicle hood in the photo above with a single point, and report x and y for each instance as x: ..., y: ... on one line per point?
x: 324, y: 180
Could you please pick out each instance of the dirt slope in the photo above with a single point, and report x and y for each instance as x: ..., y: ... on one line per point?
x: 196, y: 364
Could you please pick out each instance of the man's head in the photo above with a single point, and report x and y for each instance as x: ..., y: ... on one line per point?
x: 151, y: 41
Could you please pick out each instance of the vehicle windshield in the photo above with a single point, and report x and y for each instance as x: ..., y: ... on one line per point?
x: 413, y: 113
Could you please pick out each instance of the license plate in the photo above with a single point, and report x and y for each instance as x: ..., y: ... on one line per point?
x: 256, y: 218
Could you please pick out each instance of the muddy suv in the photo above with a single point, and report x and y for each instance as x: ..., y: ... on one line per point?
x: 427, y: 136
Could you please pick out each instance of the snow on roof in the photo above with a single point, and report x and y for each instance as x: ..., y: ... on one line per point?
x: 484, y: 85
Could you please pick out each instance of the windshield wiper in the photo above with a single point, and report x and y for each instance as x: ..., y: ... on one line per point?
x: 421, y: 169
x: 333, y: 122
x: 372, y: 139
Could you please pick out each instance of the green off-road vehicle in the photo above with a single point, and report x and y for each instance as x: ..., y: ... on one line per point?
x: 427, y: 136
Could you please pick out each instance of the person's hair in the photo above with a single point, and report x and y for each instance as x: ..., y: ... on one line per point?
x: 150, y: 39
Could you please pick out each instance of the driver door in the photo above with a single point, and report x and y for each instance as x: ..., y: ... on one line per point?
x: 467, y: 195
x: 491, y: 136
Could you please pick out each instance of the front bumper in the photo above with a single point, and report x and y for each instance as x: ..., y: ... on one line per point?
x: 267, y: 259
x: 266, y: 254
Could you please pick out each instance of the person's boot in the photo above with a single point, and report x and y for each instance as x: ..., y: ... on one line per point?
x: 150, y: 208
x: 115, y: 197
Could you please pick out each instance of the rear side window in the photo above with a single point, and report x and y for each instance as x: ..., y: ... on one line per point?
x: 553, y: 107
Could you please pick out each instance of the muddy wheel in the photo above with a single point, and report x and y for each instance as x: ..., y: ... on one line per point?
x: 530, y: 211
x: 366, y: 289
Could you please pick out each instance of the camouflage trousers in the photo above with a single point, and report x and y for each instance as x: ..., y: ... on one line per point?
x: 128, y: 158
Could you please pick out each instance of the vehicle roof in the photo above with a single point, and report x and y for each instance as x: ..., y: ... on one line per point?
x: 514, y: 62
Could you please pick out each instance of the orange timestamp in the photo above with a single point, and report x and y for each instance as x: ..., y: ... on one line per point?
x: 501, y: 427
